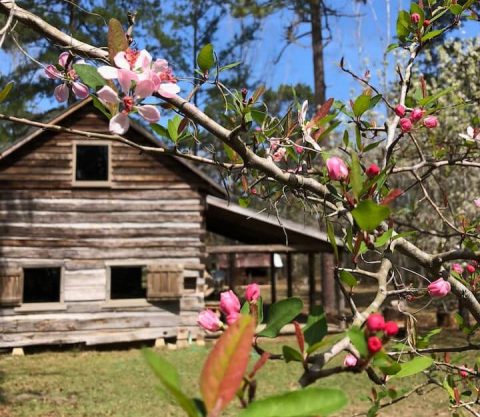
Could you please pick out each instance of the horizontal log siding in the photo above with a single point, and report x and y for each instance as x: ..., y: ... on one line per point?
x: 152, y: 212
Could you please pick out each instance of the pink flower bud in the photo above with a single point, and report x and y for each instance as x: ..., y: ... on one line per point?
x: 208, y: 320
x: 298, y: 149
x: 391, y: 328
x: 426, y: 22
x: 63, y: 59
x: 372, y: 171
x: 415, y: 18
x: 439, y: 288
x: 477, y: 202
x: 375, y: 322
x: 400, y: 110
x: 406, y: 125
x: 336, y: 169
x: 232, y: 317
x: 470, y: 268
x: 252, y: 293
x: 457, y: 268
x: 229, y: 303
x: 374, y: 344
x: 430, y: 122
x: 417, y: 114
x: 350, y: 361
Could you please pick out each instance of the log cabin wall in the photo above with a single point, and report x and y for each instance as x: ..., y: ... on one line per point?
x: 151, y: 213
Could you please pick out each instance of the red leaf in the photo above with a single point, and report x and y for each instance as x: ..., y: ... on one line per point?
x: 226, y: 364
x: 259, y: 364
x: 321, y: 113
x: 300, y: 337
x: 392, y: 195
x: 456, y: 394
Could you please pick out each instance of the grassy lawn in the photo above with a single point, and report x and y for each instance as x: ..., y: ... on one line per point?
x: 118, y: 383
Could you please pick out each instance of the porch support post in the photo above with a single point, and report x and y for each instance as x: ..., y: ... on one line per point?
x: 289, y: 275
x: 231, y: 271
x: 273, y: 279
x: 311, y: 280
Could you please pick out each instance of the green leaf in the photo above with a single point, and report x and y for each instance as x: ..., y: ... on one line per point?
x: 230, y: 66
x: 432, y: 34
x: 391, y: 47
x: 160, y: 130
x: 281, y: 313
x: 226, y: 364
x: 348, y: 279
x: 357, y: 337
x: 117, y: 41
x: 456, y: 9
x: 172, y: 127
x: 392, y: 369
x: 245, y: 308
x: 332, y: 239
x: 89, y: 75
x: 99, y: 106
x: 305, y: 402
x: 368, y: 214
x: 168, y: 376
x: 415, y: 366
x: 291, y: 355
x: 403, y: 25
x: 327, y: 341
x: 206, y: 58
x: 361, y: 105
x: 383, y: 239
x: 6, y: 90
x: 356, y: 178
x: 430, y: 99
x: 374, y: 101
x: 316, y: 328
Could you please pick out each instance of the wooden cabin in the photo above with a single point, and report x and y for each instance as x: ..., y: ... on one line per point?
x: 101, y: 243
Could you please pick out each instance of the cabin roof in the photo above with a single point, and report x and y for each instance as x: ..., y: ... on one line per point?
x: 249, y: 226
x: 210, y: 184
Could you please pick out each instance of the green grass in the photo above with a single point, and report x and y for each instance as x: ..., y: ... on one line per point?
x: 119, y: 383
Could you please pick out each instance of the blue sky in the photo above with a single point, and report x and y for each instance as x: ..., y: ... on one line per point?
x: 361, y: 40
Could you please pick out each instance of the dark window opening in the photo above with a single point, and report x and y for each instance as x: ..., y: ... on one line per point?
x: 190, y: 283
x: 41, y: 285
x: 91, y: 163
x: 127, y: 282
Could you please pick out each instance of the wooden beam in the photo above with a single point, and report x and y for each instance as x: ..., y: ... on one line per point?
x: 259, y: 249
x: 289, y: 275
x: 311, y: 281
x: 273, y: 279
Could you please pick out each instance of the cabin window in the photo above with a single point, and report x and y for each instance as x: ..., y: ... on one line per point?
x: 127, y: 282
x: 41, y: 285
x: 92, y: 163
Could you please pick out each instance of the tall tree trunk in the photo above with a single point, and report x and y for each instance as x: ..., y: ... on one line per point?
x: 317, y: 47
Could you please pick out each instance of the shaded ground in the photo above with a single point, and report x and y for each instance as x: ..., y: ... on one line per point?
x: 118, y: 383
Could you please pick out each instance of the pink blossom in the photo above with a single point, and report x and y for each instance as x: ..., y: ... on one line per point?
x: 372, y: 171
x: 375, y: 322
x: 252, y: 292
x: 439, y: 288
x: 69, y: 77
x: 298, y: 148
x: 400, y: 110
x: 336, y: 169
x: 208, y: 320
x: 470, y: 268
x: 471, y: 135
x: 417, y: 114
x: 279, y: 154
x: 229, y: 303
x: 350, y: 361
x: 457, y: 268
x: 430, y: 122
x: 232, y: 317
x: 406, y: 125
x: 477, y: 202
x: 415, y: 18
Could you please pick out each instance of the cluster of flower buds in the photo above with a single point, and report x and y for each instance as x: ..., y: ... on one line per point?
x: 375, y: 325
x: 417, y: 114
x: 64, y: 71
x: 229, y: 306
x: 276, y: 151
x: 337, y: 170
x: 468, y: 268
